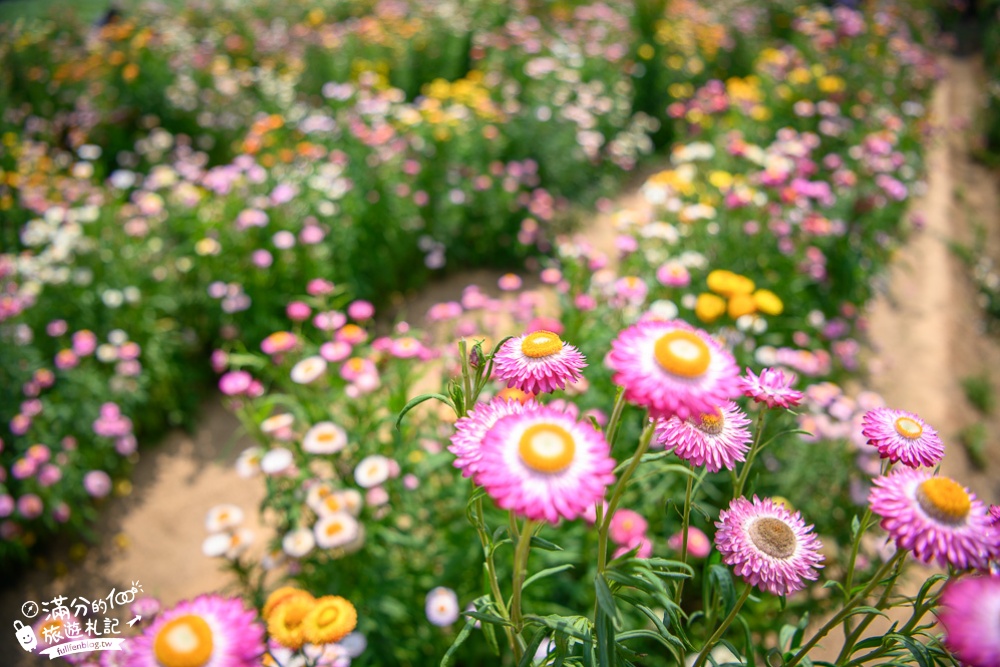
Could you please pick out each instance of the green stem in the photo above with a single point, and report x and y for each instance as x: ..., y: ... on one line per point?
x: 745, y: 472
x: 685, y: 523
x: 918, y: 613
x: 713, y: 640
x: 848, y: 607
x: 616, y: 496
x: 616, y: 415
x: 855, y: 548
x: 492, y: 573
x: 520, y: 571
x: 852, y: 638
x: 463, y: 352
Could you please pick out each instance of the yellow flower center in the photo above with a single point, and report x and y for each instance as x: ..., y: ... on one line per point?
x: 773, y: 536
x: 547, y: 448
x: 540, y: 344
x: 185, y: 641
x: 683, y: 353
x: 712, y: 423
x: 909, y: 428
x: 944, y: 499
x: 334, y: 528
x: 326, y: 436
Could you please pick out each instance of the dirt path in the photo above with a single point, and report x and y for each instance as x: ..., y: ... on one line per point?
x: 926, y: 329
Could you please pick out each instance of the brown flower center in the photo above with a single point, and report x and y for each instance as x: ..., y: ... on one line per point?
x: 773, y: 536
x: 712, y: 423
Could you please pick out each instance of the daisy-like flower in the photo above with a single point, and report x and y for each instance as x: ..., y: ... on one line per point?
x: 209, y: 631
x: 337, y: 530
x: 772, y: 387
x: 467, y: 441
x: 936, y: 518
x: 538, y: 362
x: 345, y: 500
x: 970, y: 614
x: 298, y: 543
x: 277, y: 461
x: 902, y: 436
x: 248, y: 463
x: 285, y: 620
x: 442, y: 606
x: 671, y: 368
x: 716, y: 439
x: 331, y: 619
x: 543, y: 464
x: 308, y: 370
x: 372, y: 471
x: 324, y: 438
x: 768, y: 546
x: 223, y: 517
x: 277, y: 423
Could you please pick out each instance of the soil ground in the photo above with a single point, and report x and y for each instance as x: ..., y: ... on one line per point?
x: 926, y: 336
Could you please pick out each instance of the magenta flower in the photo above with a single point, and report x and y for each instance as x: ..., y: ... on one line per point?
x: 671, y: 368
x: 298, y: 311
x: 210, y: 630
x: 902, y: 436
x: 235, y: 383
x: 699, y: 545
x: 936, y: 518
x: 545, y: 465
x: 715, y: 440
x: 360, y: 310
x: 772, y: 387
x: 278, y: 342
x: 30, y: 506
x: 538, y: 362
x: 970, y: 614
x: 97, y: 483
x: 467, y: 441
x: 626, y: 525
x: 768, y: 546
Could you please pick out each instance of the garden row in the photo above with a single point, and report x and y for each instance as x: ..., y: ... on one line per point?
x: 251, y: 186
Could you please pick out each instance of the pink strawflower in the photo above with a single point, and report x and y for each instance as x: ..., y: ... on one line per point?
x: 406, y: 347
x: 334, y: 351
x: 699, y: 545
x: 278, y: 342
x: 30, y: 506
x: 902, y: 436
x: 538, y: 362
x: 319, y: 287
x: 235, y: 383
x: 467, y: 441
x: 772, y: 387
x: 356, y: 368
x: 448, y: 310
x: 509, y: 282
x: 210, y: 630
x: 969, y: 610
x: 995, y: 515
x: 673, y: 274
x: 360, y: 310
x: 715, y: 440
x: 627, y: 525
x: 671, y: 368
x: 298, y: 311
x: 97, y: 483
x: 768, y: 546
x: 936, y: 518
x: 545, y: 465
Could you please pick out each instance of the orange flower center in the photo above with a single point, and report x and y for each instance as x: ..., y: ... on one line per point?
x: 712, y: 423
x: 540, y: 344
x: 683, y: 353
x: 909, y: 428
x: 944, y: 499
x: 547, y: 448
x: 185, y: 641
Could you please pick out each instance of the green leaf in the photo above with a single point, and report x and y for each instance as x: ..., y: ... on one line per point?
x: 414, y: 402
x: 539, y: 543
x: 459, y: 640
x: 606, y: 600
x: 577, y: 627
x: 721, y: 579
x: 487, y: 618
x: 865, y: 610
x: 916, y: 649
x: 545, y: 573
x: 532, y: 648
x: 748, y: 639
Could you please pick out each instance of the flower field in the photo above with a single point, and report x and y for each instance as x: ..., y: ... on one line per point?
x: 657, y: 451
